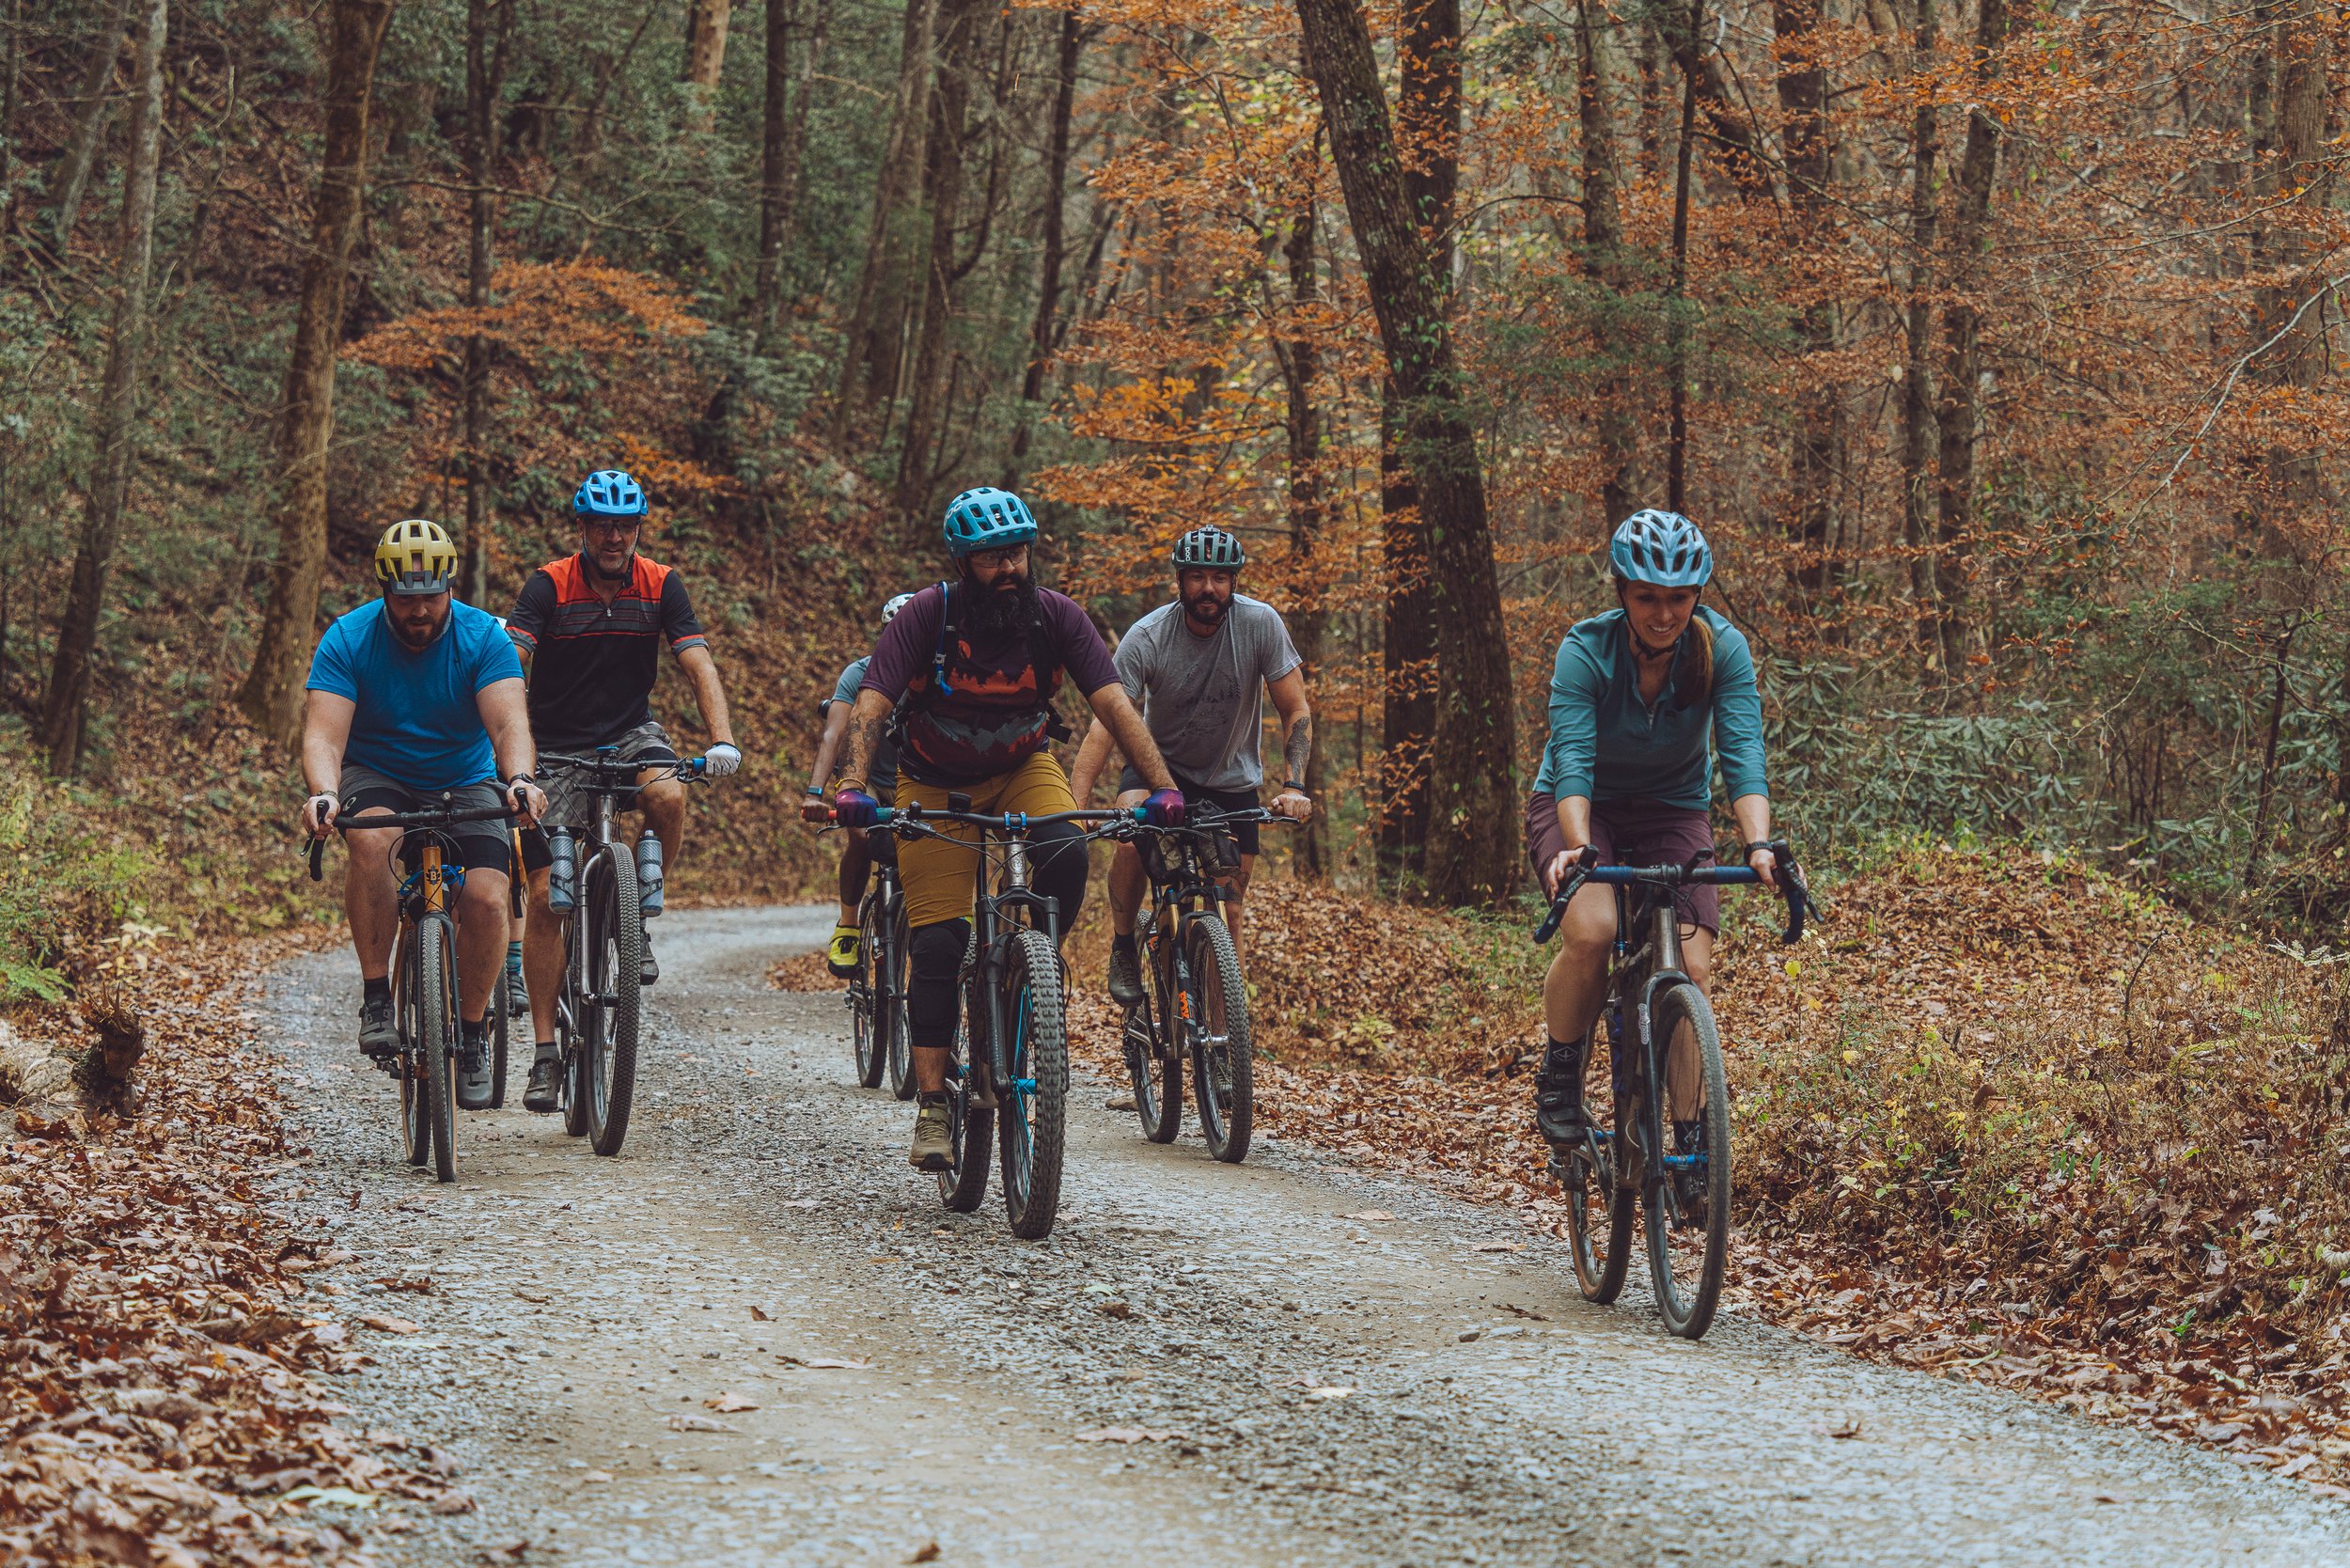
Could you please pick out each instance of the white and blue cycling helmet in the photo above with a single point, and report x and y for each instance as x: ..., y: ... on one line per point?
x: 1660, y: 547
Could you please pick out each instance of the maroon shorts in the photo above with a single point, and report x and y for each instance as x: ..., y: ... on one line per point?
x: 1635, y: 832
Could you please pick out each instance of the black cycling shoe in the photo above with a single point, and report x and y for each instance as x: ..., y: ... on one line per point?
x: 649, y: 970
x: 1689, y: 1180
x: 474, y: 1088
x: 546, y: 1084
x: 1559, y: 1095
x: 1125, y: 975
x: 517, y: 995
x: 378, y: 1036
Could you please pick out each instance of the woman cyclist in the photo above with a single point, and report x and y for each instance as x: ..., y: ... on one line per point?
x: 1624, y: 780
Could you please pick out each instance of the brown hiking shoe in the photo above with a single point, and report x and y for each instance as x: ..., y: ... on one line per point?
x: 933, y: 1136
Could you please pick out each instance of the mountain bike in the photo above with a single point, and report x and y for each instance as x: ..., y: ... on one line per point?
x: 599, y: 1004
x: 424, y: 974
x: 1010, y: 1052
x: 1195, y: 1008
x: 1661, y: 1032
x: 877, y: 992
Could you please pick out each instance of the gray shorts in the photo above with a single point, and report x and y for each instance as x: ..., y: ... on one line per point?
x: 570, y: 807
x: 480, y: 846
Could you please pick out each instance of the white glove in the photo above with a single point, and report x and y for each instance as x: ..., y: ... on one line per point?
x: 721, y: 760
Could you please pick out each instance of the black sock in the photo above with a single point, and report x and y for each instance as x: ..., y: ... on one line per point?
x: 376, y: 990
x: 476, y: 1030
x: 548, y: 1050
x: 1123, y: 944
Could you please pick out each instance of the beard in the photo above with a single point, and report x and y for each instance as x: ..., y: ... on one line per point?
x: 1207, y: 607
x: 999, y: 611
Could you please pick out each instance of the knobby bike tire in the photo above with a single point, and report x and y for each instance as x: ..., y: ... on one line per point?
x: 573, y: 1038
x: 897, y: 965
x: 436, y: 1019
x: 1220, y: 1006
x: 1686, y: 1259
x: 1154, y: 1055
x: 416, y: 1117
x: 621, y: 944
x: 1034, y: 1123
x: 867, y: 1042
x: 501, y: 1033
x: 963, y: 1185
x: 1599, y: 1204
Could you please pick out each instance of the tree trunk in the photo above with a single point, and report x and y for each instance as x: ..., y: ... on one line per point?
x: 272, y: 698
x: 1958, y: 409
x: 480, y: 95
x: 1617, y: 427
x: 8, y: 95
x: 1301, y: 362
x: 1816, y: 464
x: 2297, y: 183
x: 1677, y: 286
x: 942, y: 193
x: 775, y: 177
x: 61, y: 719
x: 1917, y: 400
x: 90, y: 117
x: 872, y: 347
x: 706, y: 24
x: 1042, y: 332
x: 1471, y: 850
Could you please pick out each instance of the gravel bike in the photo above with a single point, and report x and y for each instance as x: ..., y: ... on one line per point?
x: 1660, y: 1033
x: 877, y: 992
x: 1195, y: 1006
x: 599, y: 1004
x: 1011, y: 1053
x: 424, y: 973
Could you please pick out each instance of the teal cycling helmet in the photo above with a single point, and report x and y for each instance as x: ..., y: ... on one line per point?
x: 987, y: 519
x: 1663, y: 548
x: 609, y: 493
x: 1210, y: 547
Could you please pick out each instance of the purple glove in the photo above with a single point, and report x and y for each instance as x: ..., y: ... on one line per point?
x: 1165, y: 809
x: 856, y: 808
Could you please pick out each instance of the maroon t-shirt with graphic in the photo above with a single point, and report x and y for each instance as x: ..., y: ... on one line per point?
x: 991, y: 717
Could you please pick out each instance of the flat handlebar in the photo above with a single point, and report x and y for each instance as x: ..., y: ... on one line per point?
x: 1792, y: 886
x: 406, y: 821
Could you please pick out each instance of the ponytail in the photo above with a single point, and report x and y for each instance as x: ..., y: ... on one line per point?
x: 1693, y: 665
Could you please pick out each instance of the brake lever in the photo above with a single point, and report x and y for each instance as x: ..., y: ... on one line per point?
x: 1567, y: 891
x: 317, y: 857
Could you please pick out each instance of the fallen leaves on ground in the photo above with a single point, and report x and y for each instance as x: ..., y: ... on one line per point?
x: 1127, y: 1434
x: 157, y: 1394
x: 727, y: 1403
x: 805, y: 972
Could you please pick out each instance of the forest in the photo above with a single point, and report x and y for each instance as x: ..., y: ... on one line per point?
x: 1990, y: 342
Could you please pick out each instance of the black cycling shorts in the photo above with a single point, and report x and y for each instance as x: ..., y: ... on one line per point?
x: 477, y: 846
x: 1230, y: 800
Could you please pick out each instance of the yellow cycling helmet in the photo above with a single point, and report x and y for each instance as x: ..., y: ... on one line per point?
x: 415, y: 556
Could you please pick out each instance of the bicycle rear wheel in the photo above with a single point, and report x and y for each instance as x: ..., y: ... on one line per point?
x: 1223, y: 1062
x: 1687, y: 1195
x: 416, y: 1110
x: 866, y: 1035
x: 501, y: 1022
x: 971, y: 1127
x: 1035, y: 1103
x: 893, y: 1011
x: 616, y: 959
x: 436, y: 1019
x: 1154, y: 1057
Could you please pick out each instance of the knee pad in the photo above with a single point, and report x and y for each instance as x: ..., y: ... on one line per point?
x: 932, y: 1002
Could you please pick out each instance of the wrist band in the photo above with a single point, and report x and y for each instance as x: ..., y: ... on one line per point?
x: 815, y: 792
x: 1293, y: 784
x: 1758, y: 844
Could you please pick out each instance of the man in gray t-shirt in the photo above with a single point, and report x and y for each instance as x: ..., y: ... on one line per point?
x: 1200, y: 669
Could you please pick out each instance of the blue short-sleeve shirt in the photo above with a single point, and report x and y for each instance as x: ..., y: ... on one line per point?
x: 418, y: 719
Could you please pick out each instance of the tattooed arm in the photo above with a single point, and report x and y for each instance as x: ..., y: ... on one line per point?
x: 1297, y: 741
x: 866, y: 723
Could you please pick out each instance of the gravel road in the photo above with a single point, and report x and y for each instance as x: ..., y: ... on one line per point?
x: 1322, y: 1388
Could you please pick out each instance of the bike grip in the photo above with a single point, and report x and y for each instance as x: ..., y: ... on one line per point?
x: 1795, y: 902
x: 318, y: 854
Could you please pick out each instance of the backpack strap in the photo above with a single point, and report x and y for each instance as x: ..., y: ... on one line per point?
x: 911, y: 702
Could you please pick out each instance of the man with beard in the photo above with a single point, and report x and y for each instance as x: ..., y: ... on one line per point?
x: 1200, y: 668
x: 970, y: 667
x: 591, y: 626
x: 409, y: 697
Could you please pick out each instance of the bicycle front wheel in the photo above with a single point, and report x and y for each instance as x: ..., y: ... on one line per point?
x: 892, y: 1015
x: 865, y: 1035
x: 962, y: 1184
x: 1154, y: 1055
x: 1215, y: 1018
x: 1036, y: 1100
x: 616, y: 959
x: 1687, y: 1192
x: 501, y: 1036
x: 436, y: 1022
x: 415, y: 1109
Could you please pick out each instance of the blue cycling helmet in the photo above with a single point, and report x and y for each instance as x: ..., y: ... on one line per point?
x: 987, y: 519
x: 1661, y: 547
x: 609, y: 493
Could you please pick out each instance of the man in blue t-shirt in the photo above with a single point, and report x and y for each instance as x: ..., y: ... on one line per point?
x: 411, y: 697
x: 857, y: 851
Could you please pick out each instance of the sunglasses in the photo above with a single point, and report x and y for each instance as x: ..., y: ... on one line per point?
x: 619, y: 530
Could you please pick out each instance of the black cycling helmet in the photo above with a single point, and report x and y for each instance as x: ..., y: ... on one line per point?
x: 1210, y: 547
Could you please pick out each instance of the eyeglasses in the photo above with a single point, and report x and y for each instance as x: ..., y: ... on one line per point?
x: 611, y: 528
x: 996, y: 561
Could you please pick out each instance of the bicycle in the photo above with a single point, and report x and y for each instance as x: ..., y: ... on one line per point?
x: 877, y: 992
x: 424, y: 976
x: 1196, y: 1007
x: 599, y: 1004
x: 1660, y: 1030
x: 1010, y: 1052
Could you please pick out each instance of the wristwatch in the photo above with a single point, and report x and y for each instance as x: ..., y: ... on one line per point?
x: 815, y: 792
x: 1758, y: 844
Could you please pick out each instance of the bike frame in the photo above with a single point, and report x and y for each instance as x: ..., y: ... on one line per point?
x: 607, y: 786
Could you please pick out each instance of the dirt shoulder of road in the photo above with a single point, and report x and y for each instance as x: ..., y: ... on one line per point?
x: 157, y: 1403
